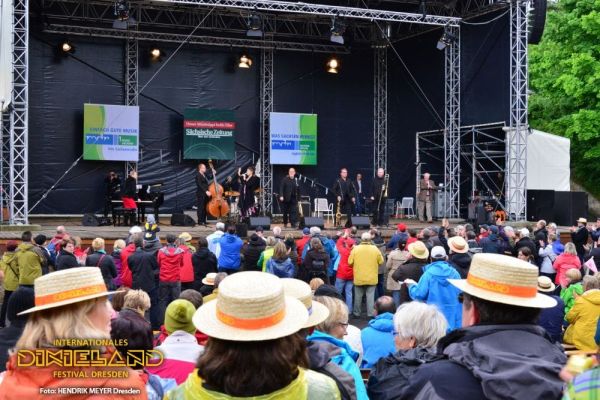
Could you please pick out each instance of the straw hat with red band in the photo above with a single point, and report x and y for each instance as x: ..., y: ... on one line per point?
x: 301, y: 290
x: 68, y: 286
x: 251, y: 306
x: 504, y: 279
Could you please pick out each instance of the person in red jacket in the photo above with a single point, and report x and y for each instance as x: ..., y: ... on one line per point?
x: 300, y: 243
x: 170, y: 262
x: 187, y: 268
x: 125, y: 274
x: 344, y: 279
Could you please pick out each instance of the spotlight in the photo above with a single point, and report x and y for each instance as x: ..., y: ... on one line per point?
x: 67, y: 47
x: 332, y: 65
x: 446, y: 40
x: 155, y: 53
x: 337, y: 30
x: 122, y: 10
x: 254, y: 24
x: 245, y: 61
x: 423, y: 9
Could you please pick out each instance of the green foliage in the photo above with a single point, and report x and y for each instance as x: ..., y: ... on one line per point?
x: 565, y: 81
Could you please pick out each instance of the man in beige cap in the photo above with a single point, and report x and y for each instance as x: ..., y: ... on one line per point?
x: 579, y: 237
x: 500, y: 352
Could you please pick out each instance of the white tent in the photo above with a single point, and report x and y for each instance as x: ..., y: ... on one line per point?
x: 6, y: 9
x: 548, y: 162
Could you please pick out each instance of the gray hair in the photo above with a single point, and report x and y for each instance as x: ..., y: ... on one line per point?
x: 524, y: 232
x: 423, y: 322
x: 277, y: 231
x: 271, y: 241
x: 365, y: 237
x: 508, y: 229
x: 315, y: 230
x: 552, y: 225
x: 220, y: 226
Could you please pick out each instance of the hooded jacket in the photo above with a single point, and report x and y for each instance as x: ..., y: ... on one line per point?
x: 30, y: 264
x: 412, y: 269
x: 251, y: 252
x: 66, y: 260
x: 345, y: 357
x: 170, y: 261
x: 491, y: 244
x: 144, y: 270
x: 229, y: 257
x: 186, y: 274
x: 434, y: 288
x: 180, y: 352
x: 204, y: 261
x: 562, y: 264
x: 497, y: 362
x: 315, y: 265
x: 300, y: 243
x: 213, y: 242
x: 390, y: 376
x: 281, y: 268
x: 395, y: 259
x: 116, y: 255
x: 365, y: 260
x: 461, y: 262
x: 318, y: 360
x: 106, y: 264
x: 583, y: 320
x: 9, y: 266
x: 551, y: 319
x: 125, y: 275
x: 378, y: 339
x: 344, y: 270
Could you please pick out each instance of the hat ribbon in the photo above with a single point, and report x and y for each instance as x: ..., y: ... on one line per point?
x: 501, y: 288
x: 70, y: 294
x: 253, y: 323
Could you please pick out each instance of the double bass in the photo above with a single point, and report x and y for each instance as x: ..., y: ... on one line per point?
x: 217, y: 206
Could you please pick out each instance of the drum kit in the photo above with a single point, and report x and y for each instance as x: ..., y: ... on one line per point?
x: 233, y: 196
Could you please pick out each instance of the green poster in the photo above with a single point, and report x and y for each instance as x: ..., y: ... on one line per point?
x: 208, y: 134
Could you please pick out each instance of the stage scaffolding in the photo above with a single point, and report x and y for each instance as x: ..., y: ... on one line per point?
x: 296, y: 24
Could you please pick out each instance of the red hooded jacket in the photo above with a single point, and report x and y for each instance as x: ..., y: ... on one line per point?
x: 187, y: 269
x: 125, y: 275
x: 170, y: 261
x: 344, y: 247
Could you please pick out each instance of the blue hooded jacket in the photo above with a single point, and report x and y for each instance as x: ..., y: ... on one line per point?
x: 378, y: 339
x: 230, y: 251
x: 434, y: 288
x: 328, y: 245
x: 281, y: 268
x: 345, y: 358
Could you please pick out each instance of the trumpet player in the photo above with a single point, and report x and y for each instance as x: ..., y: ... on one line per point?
x: 345, y: 195
x: 289, y: 195
x: 378, y: 197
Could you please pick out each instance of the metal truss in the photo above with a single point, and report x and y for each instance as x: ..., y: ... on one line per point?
x: 516, y: 143
x: 380, y: 125
x: 197, y: 40
x: 131, y: 83
x: 18, y: 191
x: 266, y: 107
x: 325, y: 10
x: 4, y: 160
x: 452, y: 125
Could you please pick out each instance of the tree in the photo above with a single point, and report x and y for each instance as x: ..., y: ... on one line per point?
x: 565, y: 81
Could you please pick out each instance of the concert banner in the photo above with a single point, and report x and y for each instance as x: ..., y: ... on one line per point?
x: 111, y: 132
x: 208, y: 134
x: 293, y: 138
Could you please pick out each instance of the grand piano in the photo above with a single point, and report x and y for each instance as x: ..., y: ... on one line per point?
x: 149, y: 195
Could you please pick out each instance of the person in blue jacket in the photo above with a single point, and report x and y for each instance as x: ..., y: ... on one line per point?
x: 280, y: 263
x: 229, y: 258
x: 434, y: 288
x: 378, y: 337
x: 330, y: 333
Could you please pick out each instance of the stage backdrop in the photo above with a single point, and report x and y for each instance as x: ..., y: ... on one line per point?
x: 111, y: 133
x: 208, y: 134
x: 293, y: 138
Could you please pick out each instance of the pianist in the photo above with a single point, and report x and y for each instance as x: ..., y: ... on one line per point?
x: 129, y: 195
x: 112, y: 190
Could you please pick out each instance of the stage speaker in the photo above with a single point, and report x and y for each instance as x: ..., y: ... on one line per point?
x: 579, y: 205
x: 265, y: 222
x: 241, y: 230
x: 570, y: 207
x: 540, y: 205
x: 90, y: 220
x: 314, y: 221
x: 361, y: 222
x: 305, y: 207
x: 182, y: 220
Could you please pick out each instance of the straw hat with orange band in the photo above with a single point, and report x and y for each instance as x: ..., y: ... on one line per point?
x: 251, y: 306
x: 504, y: 279
x: 67, y: 287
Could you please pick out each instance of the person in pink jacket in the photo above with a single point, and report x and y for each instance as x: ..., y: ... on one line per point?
x: 564, y: 262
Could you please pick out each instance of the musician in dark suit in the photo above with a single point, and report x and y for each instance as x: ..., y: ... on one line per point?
x: 112, y: 190
x: 129, y: 196
x: 359, y: 187
x: 378, y: 198
x: 289, y: 193
x: 202, y: 193
x: 345, y: 195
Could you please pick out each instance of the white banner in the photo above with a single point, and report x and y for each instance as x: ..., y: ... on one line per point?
x: 6, y: 9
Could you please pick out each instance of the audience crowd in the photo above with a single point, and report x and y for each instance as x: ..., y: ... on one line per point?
x: 463, y: 312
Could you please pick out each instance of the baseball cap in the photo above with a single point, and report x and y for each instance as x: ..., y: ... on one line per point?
x: 438, y: 252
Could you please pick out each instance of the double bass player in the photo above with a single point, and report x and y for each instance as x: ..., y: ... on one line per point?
x: 202, y: 193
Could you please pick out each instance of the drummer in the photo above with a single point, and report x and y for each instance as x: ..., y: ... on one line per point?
x: 249, y: 183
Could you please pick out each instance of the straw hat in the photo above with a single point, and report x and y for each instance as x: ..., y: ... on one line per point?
x: 68, y: 286
x: 185, y: 236
x: 582, y: 221
x: 418, y: 250
x: 209, y: 279
x: 458, y: 245
x: 545, y: 284
x: 503, y: 279
x: 251, y: 306
x: 301, y: 290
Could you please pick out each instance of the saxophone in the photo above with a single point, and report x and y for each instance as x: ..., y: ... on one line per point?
x: 338, y: 214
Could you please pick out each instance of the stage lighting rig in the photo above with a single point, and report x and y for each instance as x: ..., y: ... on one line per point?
x: 155, y: 53
x: 67, y: 47
x: 338, y: 27
x: 254, y: 25
x: 245, y: 62
x: 447, y: 39
x: 332, y: 65
x: 423, y: 9
x: 122, y: 10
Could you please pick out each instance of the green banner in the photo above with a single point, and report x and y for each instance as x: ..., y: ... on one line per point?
x: 208, y: 134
